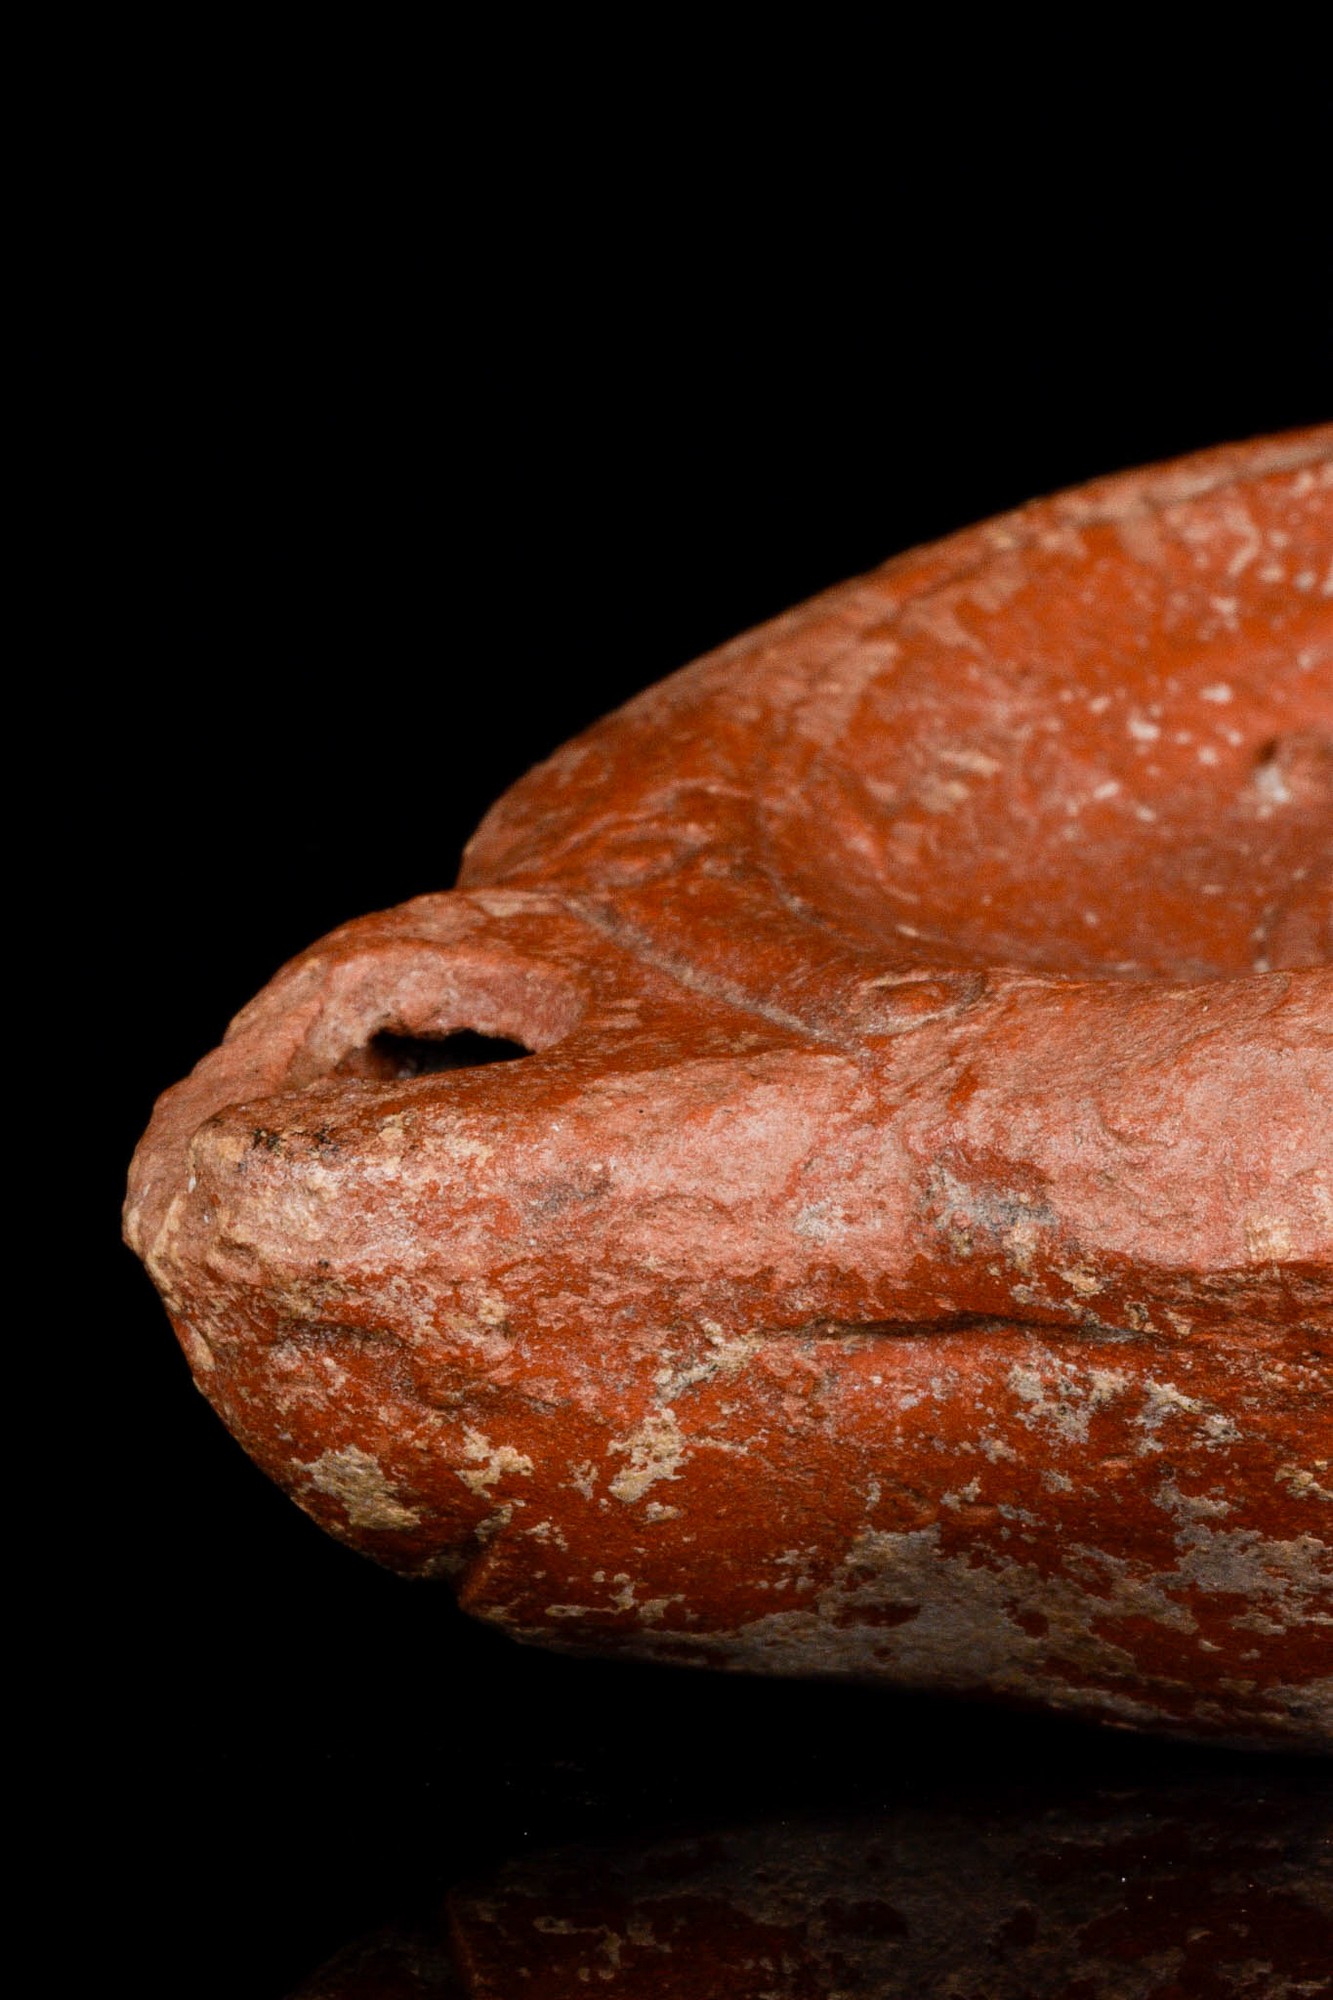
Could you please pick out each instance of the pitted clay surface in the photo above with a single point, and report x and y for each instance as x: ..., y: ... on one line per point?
x: 907, y: 1248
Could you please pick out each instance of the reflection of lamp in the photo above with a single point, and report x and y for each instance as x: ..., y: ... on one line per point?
x: 907, y: 1248
x: 1197, y: 1889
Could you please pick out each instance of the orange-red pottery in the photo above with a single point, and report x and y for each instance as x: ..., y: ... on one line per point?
x: 907, y: 1250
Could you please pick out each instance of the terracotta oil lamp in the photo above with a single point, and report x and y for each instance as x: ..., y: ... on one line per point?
x: 906, y: 1248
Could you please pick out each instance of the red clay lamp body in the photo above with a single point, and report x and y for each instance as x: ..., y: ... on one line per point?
x: 907, y: 1251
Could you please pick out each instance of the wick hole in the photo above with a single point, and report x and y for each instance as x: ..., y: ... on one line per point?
x: 424, y: 1055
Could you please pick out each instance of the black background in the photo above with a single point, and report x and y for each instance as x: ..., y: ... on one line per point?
x: 382, y: 484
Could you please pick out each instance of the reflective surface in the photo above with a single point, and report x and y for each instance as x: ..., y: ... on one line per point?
x: 1210, y: 1888
x: 555, y: 1827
